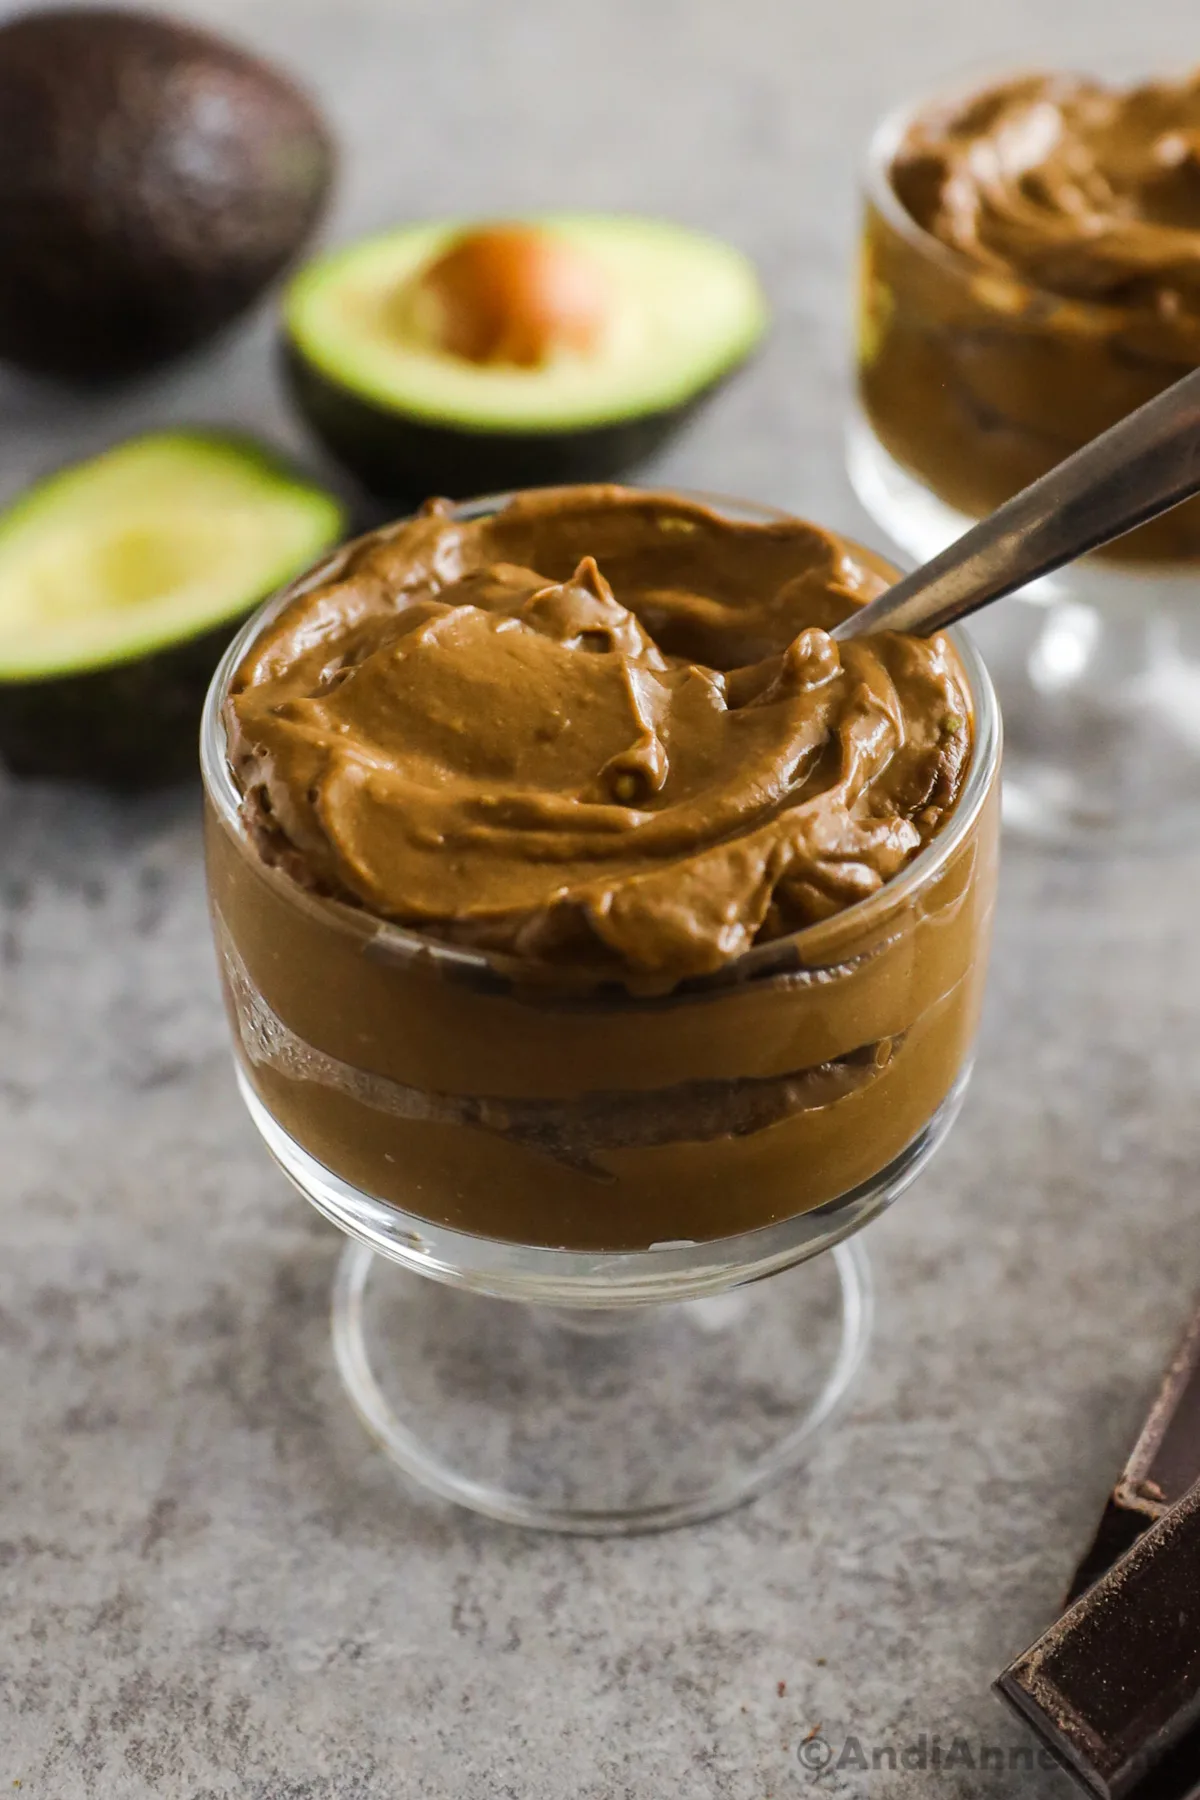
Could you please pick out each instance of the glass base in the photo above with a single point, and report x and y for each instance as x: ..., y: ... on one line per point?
x: 599, y: 1392
x: 1098, y: 672
x: 601, y: 1422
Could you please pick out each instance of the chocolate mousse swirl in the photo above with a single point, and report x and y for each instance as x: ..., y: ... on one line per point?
x: 600, y: 729
x: 1085, y: 191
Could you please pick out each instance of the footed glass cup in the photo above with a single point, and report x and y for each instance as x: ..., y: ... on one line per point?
x: 971, y: 384
x: 551, y: 1307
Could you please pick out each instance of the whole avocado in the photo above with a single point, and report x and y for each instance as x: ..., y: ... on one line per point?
x: 153, y: 179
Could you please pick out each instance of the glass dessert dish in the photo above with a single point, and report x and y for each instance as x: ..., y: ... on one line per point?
x: 975, y: 378
x: 561, y: 1206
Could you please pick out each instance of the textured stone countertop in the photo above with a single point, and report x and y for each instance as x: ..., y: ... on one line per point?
x: 212, y: 1583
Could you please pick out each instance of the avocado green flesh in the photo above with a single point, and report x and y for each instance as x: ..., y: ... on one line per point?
x: 150, y: 544
x: 685, y: 309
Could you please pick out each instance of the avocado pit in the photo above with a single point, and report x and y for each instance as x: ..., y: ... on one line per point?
x: 509, y: 294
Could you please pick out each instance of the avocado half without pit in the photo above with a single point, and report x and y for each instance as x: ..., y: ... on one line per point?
x: 463, y: 359
x: 122, y: 580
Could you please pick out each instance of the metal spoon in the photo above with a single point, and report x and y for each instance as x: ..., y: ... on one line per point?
x: 1143, y: 466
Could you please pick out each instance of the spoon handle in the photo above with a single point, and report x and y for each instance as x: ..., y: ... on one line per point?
x: 1141, y: 467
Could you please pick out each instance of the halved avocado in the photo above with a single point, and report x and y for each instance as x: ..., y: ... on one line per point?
x: 381, y: 375
x: 121, y: 581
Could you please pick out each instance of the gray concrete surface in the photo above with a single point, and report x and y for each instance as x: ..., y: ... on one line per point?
x: 212, y: 1584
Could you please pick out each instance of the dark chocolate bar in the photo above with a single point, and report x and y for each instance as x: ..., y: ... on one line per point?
x: 1113, y: 1687
x: 1163, y: 1465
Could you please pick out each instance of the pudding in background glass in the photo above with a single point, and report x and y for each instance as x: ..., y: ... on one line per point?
x: 1030, y: 274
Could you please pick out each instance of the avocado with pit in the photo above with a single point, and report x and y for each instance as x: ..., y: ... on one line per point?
x: 122, y: 580
x: 459, y: 359
x: 154, y: 179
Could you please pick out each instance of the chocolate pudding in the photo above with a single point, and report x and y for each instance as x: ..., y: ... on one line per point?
x: 578, y: 889
x: 1031, y: 274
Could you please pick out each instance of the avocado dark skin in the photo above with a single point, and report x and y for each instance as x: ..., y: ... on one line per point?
x: 131, y: 726
x: 401, y: 458
x: 153, y: 180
